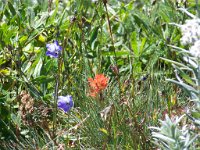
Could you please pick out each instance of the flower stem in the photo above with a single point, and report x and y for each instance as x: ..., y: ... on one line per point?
x: 55, y: 101
x: 112, y: 39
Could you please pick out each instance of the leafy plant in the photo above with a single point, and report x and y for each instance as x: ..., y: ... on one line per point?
x: 187, y: 76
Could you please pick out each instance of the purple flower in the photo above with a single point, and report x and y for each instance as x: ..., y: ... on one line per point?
x: 65, y: 102
x: 53, y: 49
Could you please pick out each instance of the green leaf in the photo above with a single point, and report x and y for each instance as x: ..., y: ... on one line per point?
x: 38, y: 68
x: 4, y: 72
x: 163, y: 137
x: 7, y: 14
x: 186, y: 77
x: 187, y: 87
x: 142, y: 44
x: 134, y: 44
x: 103, y: 130
x: 140, y: 22
x: 174, y: 62
x: 94, y: 35
x: 137, y: 67
x: 43, y: 79
x: 23, y: 39
x: 16, y: 119
x: 196, y: 114
x: 34, y: 91
x: 12, y: 9
x: 118, y: 53
x: 41, y: 21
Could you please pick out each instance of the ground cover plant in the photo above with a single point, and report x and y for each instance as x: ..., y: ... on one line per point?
x: 99, y: 74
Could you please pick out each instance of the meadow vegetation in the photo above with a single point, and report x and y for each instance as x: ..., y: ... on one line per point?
x: 99, y: 74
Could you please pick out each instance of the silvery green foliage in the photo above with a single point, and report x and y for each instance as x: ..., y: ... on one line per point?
x: 191, y: 37
x: 171, y: 136
x: 191, y: 83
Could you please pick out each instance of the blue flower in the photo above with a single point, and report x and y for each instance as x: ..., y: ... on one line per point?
x: 53, y: 49
x: 65, y: 102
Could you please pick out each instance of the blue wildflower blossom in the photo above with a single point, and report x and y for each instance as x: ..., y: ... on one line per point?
x: 65, y: 103
x: 53, y: 49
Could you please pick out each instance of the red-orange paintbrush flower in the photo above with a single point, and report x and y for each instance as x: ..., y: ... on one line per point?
x: 97, y: 84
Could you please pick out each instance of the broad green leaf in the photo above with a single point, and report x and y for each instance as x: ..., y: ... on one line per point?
x: 43, y: 79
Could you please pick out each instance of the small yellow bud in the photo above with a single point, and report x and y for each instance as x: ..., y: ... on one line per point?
x: 42, y: 38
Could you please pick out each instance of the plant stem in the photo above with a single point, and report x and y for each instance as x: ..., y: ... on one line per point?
x: 198, y: 77
x: 49, y: 5
x: 112, y: 39
x: 109, y: 26
x: 197, y: 7
x: 56, y: 100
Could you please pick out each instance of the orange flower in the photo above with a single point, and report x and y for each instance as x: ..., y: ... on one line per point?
x: 97, y: 84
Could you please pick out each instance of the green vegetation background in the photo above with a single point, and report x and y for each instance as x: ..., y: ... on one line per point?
x: 96, y: 37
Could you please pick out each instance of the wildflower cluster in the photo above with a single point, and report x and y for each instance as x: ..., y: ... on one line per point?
x: 97, y: 84
x: 190, y: 31
x: 191, y: 35
x: 64, y: 102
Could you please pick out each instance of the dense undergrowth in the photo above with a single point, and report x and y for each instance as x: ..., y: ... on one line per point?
x: 126, y: 42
